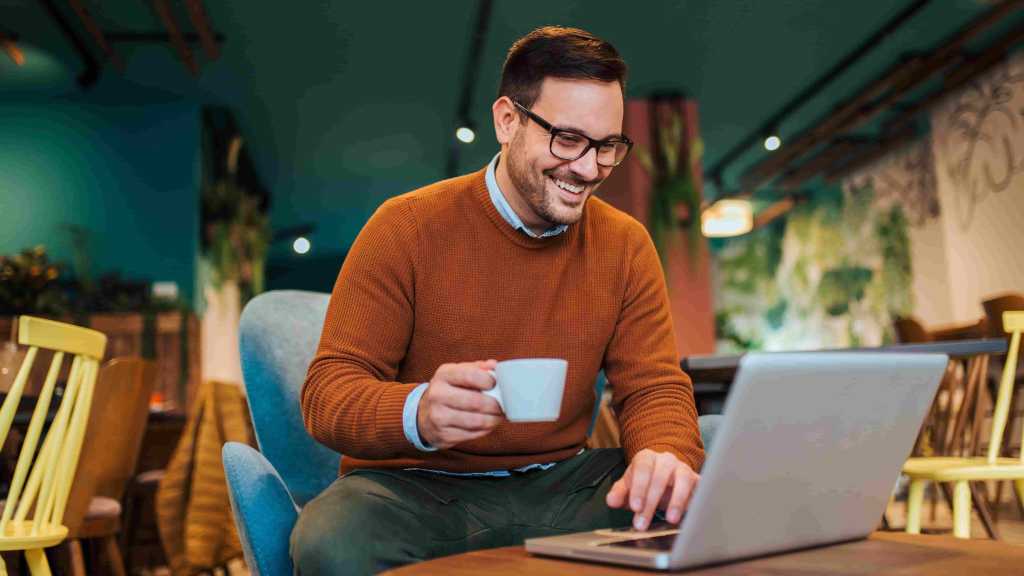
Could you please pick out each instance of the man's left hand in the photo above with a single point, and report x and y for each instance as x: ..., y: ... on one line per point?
x: 654, y: 480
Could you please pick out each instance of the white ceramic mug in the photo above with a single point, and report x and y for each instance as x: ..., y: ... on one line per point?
x: 529, y: 389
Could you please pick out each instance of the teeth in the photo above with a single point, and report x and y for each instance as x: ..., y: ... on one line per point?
x: 566, y: 186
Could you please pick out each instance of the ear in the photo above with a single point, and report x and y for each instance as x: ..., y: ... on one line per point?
x: 506, y: 119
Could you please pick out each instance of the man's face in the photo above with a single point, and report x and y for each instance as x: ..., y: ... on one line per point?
x: 556, y: 190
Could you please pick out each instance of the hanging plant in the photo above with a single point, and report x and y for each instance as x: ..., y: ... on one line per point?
x: 237, y: 241
x: 672, y: 183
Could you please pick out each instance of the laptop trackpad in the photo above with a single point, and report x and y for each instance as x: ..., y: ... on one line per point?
x: 663, y: 543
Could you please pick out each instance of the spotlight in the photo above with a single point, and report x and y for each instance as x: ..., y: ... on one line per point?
x: 465, y: 134
x: 301, y: 245
x: 772, y: 143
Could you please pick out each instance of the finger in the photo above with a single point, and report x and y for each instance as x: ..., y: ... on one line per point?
x: 664, y: 467
x: 472, y: 421
x: 619, y: 491
x: 684, y: 484
x: 469, y: 401
x: 466, y: 376
x: 643, y: 467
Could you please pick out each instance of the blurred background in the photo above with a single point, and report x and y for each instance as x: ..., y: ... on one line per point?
x: 816, y: 174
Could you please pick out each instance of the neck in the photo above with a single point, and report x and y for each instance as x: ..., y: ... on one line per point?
x: 515, y: 199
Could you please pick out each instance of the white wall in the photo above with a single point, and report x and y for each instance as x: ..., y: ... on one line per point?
x: 978, y: 148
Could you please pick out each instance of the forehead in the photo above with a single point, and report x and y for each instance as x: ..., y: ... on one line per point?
x: 592, y: 107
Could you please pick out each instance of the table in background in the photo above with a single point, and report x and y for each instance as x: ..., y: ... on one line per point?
x: 713, y: 375
x: 882, y: 553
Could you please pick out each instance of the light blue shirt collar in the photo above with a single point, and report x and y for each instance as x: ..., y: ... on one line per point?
x: 506, y: 211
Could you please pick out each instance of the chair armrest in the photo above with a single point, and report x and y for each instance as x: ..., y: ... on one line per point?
x: 264, y: 510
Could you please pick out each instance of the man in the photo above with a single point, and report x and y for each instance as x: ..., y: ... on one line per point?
x: 514, y: 261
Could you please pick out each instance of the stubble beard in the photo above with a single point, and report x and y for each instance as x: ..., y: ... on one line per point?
x: 532, y: 187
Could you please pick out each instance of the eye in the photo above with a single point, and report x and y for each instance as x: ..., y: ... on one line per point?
x: 569, y: 139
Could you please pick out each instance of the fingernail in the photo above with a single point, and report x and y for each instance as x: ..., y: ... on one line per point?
x: 638, y: 522
x: 636, y: 504
x: 673, y: 515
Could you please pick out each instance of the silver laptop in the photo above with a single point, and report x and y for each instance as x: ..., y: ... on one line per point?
x: 807, y: 454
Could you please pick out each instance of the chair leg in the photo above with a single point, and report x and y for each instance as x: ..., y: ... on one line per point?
x: 114, y: 556
x: 915, y: 498
x: 37, y: 564
x: 77, y: 560
x: 3, y: 567
x: 978, y: 495
x: 962, y: 509
x: 1018, y: 492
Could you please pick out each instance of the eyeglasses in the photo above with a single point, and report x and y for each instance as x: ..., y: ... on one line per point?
x: 571, y: 145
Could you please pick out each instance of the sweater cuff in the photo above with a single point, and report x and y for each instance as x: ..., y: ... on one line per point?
x: 388, y: 422
x: 694, y: 462
x: 409, y: 419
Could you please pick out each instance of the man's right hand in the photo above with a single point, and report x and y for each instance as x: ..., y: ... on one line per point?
x: 453, y: 410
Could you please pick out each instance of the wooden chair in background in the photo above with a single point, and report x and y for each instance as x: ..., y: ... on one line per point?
x: 960, y: 471
x: 115, y: 431
x: 34, y: 507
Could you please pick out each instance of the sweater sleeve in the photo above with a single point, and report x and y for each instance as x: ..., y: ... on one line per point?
x: 350, y: 399
x: 652, y: 396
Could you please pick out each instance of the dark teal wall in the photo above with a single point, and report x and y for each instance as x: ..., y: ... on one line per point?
x: 128, y: 174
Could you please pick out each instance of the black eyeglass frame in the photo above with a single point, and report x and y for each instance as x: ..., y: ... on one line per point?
x: 591, y: 143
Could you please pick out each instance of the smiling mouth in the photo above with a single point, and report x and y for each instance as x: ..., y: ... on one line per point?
x: 574, y: 189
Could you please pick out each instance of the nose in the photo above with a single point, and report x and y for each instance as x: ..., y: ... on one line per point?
x: 585, y: 167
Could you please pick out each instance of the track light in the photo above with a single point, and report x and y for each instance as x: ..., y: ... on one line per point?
x: 301, y: 245
x: 465, y: 134
x: 772, y: 143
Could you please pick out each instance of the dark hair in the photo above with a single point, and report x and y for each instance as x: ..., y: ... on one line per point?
x: 554, y: 51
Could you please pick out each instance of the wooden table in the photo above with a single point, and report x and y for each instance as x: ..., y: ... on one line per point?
x: 883, y: 553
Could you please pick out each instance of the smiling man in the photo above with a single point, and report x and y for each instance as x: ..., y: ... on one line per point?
x: 516, y: 260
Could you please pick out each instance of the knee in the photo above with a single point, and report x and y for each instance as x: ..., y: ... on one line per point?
x: 334, y: 534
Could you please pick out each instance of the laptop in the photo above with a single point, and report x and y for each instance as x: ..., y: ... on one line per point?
x: 807, y: 454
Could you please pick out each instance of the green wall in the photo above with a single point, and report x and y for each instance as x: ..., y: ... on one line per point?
x: 126, y: 173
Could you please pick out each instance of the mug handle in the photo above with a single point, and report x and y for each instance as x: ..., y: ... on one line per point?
x: 495, y: 392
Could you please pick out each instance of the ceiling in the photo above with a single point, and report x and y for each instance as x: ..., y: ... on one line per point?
x: 344, y: 104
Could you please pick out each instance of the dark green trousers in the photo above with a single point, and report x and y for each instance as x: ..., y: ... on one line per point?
x: 373, y: 520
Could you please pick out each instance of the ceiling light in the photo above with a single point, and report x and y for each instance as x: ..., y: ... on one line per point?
x: 772, y: 143
x: 465, y: 134
x: 301, y: 245
x: 724, y: 218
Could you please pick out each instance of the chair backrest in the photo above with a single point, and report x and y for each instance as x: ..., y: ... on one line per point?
x: 117, y: 423
x: 1013, y: 323
x: 994, y: 308
x: 278, y: 336
x: 910, y: 331
x: 42, y: 478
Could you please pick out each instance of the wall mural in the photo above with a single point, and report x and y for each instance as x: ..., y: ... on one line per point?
x: 832, y: 274
x: 979, y: 137
x: 905, y: 178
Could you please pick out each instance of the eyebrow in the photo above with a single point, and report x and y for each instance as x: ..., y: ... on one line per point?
x: 618, y: 136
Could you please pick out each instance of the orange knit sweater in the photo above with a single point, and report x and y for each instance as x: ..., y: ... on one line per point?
x: 438, y: 276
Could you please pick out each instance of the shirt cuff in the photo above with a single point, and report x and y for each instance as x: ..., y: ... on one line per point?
x: 409, y: 414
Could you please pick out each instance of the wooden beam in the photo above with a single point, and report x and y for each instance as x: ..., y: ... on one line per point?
x: 197, y: 14
x: 97, y: 34
x: 970, y: 69
x: 10, y: 46
x: 879, y: 150
x: 164, y: 12
x: 877, y: 95
x: 832, y: 154
x: 774, y: 211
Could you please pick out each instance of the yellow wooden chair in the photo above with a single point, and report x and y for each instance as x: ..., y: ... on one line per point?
x: 33, y: 510
x: 961, y: 470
